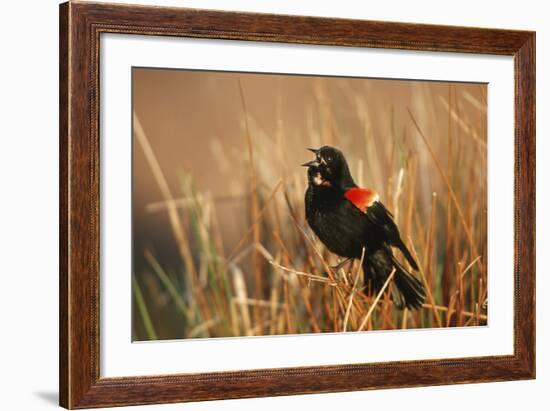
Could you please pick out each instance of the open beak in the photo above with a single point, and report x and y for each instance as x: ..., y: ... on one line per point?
x: 311, y: 163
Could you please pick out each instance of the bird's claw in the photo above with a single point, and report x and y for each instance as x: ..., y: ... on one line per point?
x: 340, y: 264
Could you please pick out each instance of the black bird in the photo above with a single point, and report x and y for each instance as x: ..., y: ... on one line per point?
x: 347, y: 218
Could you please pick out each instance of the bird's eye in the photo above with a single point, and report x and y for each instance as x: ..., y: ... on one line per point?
x: 329, y: 159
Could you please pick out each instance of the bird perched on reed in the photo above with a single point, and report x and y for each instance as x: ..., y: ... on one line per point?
x: 347, y: 218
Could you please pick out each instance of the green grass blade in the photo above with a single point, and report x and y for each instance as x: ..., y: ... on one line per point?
x: 167, y: 283
x: 142, y: 307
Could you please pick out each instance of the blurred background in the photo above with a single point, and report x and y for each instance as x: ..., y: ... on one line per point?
x: 220, y: 245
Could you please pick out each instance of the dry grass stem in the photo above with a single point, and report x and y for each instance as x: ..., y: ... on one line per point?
x: 373, y: 305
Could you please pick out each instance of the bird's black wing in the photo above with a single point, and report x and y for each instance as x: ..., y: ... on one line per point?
x: 381, y: 218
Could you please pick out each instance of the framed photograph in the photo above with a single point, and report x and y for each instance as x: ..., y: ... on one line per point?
x: 259, y: 205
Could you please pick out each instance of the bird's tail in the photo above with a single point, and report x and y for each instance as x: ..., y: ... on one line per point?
x: 407, y: 290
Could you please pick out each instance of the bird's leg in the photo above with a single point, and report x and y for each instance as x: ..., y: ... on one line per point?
x: 337, y: 267
x: 340, y: 264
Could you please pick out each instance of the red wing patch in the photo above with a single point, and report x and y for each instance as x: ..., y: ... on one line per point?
x: 362, y: 198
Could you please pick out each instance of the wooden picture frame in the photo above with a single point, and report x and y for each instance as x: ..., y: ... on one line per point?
x: 80, y: 27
